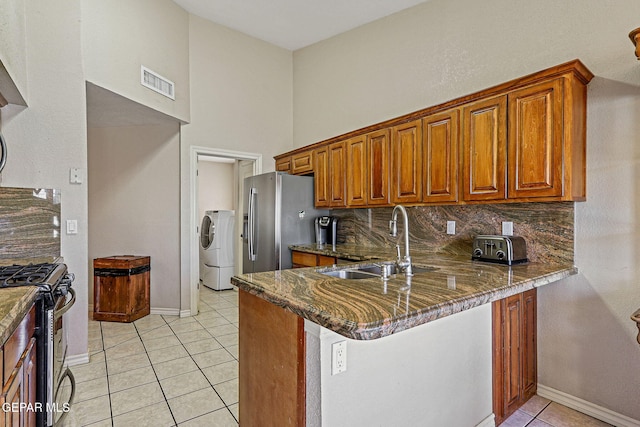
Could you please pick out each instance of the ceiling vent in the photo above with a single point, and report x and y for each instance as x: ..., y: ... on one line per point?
x: 156, y: 82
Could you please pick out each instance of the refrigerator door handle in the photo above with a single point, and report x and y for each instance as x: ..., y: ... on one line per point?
x: 251, y: 231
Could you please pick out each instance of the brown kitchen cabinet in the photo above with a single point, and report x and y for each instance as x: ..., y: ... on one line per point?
x: 406, y: 162
x: 302, y: 163
x: 305, y: 259
x: 440, y: 140
x: 535, y: 149
x: 330, y: 179
x: 514, y: 352
x: 377, y: 167
x: 484, y: 149
x: 19, y: 373
x: 121, y: 288
x: 283, y: 164
x: 356, y: 171
x: 521, y: 141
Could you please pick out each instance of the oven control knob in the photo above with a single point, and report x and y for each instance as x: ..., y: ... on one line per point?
x: 477, y: 252
x: 500, y: 254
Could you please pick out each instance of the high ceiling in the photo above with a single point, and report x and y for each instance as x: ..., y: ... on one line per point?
x: 293, y: 24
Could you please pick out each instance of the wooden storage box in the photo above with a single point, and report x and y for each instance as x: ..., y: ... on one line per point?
x: 121, y: 288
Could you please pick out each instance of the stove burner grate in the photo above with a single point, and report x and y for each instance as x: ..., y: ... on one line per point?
x: 25, y: 275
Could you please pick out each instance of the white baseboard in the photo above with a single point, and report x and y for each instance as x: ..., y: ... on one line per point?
x: 77, y: 359
x: 490, y: 421
x: 185, y: 313
x: 599, y: 412
x: 165, y: 311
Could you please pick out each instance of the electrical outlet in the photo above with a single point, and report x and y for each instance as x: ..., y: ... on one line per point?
x: 451, y: 227
x: 75, y: 176
x: 338, y: 357
x: 507, y: 228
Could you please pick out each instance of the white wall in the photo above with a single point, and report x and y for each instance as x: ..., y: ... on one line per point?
x: 49, y: 137
x: 215, y: 186
x: 241, y: 100
x: 447, y: 48
x: 118, y: 36
x: 134, y: 202
x: 436, y: 374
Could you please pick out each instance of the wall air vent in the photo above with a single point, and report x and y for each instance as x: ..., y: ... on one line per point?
x: 156, y: 82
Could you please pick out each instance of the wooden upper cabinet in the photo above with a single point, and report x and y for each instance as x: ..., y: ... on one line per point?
x: 337, y: 177
x: 378, y: 161
x: 356, y: 171
x: 283, y: 164
x: 440, y: 140
x: 302, y: 163
x: 406, y: 162
x: 535, y: 141
x: 321, y: 176
x: 484, y: 149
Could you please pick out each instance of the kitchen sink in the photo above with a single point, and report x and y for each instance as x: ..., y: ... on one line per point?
x: 371, y: 271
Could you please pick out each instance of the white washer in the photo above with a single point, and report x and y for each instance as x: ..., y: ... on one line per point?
x: 216, y: 249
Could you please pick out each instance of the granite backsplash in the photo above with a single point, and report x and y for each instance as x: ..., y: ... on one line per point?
x: 29, y: 223
x: 547, y: 228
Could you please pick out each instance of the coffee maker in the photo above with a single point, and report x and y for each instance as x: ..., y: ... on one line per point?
x: 326, y: 230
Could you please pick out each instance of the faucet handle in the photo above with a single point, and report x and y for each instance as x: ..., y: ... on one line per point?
x: 398, y: 251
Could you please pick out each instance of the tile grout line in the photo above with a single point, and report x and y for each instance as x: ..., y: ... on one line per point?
x: 106, y: 369
x: 175, y: 423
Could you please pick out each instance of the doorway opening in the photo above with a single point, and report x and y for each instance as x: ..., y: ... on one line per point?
x: 244, y: 164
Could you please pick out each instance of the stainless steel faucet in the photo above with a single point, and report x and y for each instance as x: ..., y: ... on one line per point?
x: 403, y: 263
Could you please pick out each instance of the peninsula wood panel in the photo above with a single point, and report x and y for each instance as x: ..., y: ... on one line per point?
x: 406, y: 162
x: 272, y: 373
x: 440, y: 133
x: 356, y: 171
x: 535, y: 141
x: 484, y: 149
x: 378, y: 154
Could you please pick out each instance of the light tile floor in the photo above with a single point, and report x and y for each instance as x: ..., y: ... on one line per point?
x: 171, y: 371
x: 541, y: 412
x: 162, y: 370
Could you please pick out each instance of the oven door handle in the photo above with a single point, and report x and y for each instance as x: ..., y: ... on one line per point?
x: 59, y: 313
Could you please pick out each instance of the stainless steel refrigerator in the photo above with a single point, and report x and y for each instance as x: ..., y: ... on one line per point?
x: 278, y: 211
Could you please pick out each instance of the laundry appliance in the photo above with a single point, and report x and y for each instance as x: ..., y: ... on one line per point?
x: 217, y: 249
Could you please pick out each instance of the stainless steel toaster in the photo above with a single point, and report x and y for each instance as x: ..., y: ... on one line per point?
x: 507, y: 250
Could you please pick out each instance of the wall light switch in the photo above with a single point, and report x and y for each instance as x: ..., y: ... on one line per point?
x: 507, y: 228
x: 451, y: 227
x: 72, y: 226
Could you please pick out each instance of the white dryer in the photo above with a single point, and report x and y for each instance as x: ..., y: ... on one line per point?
x: 217, y: 249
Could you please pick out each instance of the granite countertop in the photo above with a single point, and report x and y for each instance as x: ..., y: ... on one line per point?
x: 14, y: 305
x: 366, y: 309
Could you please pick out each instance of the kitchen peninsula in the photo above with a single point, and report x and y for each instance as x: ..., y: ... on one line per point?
x: 413, y: 348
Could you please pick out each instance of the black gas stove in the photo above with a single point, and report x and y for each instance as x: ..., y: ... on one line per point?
x: 54, y: 286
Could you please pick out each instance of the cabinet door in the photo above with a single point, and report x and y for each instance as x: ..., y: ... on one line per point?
x: 406, y: 142
x: 440, y: 157
x: 484, y: 147
x: 378, y: 153
x: 535, y: 141
x: 356, y: 170
x: 12, y: 396
x: 302, y: 163
x: 514, y: 353
x: 337, y: 170
x: 321, y: 176
x: 283, y: 164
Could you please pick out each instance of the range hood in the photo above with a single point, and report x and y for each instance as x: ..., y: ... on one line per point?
x: 9, y: 93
